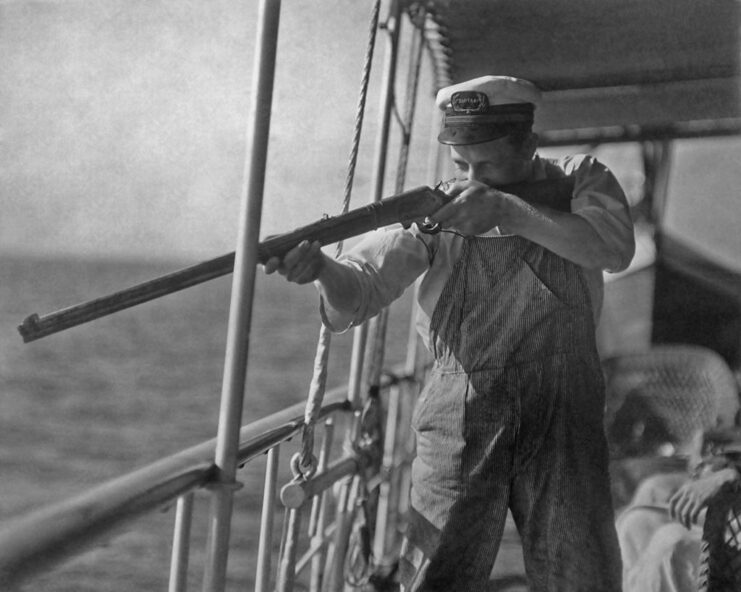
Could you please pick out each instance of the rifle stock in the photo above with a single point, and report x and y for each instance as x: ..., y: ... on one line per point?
x: 406, y: 208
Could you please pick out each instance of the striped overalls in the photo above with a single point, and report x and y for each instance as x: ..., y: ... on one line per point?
x: 511, y: 417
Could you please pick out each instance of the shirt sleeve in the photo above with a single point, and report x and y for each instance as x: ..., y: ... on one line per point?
x: 384, y: 264
x: 599, y: 199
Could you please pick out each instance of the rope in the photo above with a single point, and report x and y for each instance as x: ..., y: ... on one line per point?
x: 304, y: 463
x: 360, y: 111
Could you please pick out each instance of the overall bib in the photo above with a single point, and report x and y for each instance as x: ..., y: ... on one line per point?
x: 512, y: 418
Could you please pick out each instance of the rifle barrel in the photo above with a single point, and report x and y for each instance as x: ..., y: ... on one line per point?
x: 406, y: 207
x: 35, y: 327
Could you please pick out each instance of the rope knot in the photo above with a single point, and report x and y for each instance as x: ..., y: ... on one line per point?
x: 303, y: 468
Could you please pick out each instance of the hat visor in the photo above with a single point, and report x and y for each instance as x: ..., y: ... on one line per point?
x: 460, y: 135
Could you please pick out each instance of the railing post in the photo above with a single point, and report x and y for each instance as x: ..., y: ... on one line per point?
x: 318, y: 519
x: 265, y: 548
x: 393, y: 25
x: 389, y: 492
x: 240, y: 311
x: 287, y: 565
x: 344, y: 517
x: 391, y: 503
x: 181, y: 543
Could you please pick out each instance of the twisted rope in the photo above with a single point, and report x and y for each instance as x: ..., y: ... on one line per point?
x: 304, y: 463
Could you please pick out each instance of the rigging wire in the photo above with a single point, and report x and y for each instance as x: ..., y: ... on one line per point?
x: 304, y: 463
x: 361, y: 565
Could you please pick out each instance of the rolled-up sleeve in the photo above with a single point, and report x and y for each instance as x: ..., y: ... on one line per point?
x: 599, y: 199
x: 384, y: 264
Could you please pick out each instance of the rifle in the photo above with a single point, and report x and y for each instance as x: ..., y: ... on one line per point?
x: 409, y: 207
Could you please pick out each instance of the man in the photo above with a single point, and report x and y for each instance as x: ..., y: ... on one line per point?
x: 512, y: 413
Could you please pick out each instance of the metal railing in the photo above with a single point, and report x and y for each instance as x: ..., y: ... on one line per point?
x: 41, y: 540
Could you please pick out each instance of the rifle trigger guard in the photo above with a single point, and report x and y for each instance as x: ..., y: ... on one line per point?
x: 429, y: 227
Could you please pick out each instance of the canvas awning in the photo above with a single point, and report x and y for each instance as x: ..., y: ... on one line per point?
x: 643, y: 64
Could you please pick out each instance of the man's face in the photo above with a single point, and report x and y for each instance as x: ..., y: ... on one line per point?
x: 493, y: 163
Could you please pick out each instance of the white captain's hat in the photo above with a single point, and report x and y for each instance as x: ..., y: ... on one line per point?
x: 486, y: 108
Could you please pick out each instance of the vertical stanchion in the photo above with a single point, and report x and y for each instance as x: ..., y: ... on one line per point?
x: 355, y: 379
x: 435, y: 165
x: 388, y: 493
x: 384, y: 512
x: 240, y: 311
x: 393, y: 25
x: 343, y: 522
x: 287, y: 567
x: 265, y: 548
x: 318, y: 519
x: 181, y: 543
x: 355, y: 394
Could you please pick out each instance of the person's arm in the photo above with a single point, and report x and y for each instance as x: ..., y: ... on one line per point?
x: 307, y: 263
x: 688, y: 502
x: 358, y: 285
x: 597, y: 234
x: 566, y: 234
x: 338, y: 286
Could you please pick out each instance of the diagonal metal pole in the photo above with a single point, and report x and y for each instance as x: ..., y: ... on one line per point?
x: 240, y: 311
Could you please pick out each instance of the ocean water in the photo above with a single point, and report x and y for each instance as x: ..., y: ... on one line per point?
x: 85, y: 405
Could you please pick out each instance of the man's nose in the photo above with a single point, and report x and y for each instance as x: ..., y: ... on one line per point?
x: 479, y: 175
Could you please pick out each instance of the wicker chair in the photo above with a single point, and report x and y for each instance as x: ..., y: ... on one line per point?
x: 664, y: 395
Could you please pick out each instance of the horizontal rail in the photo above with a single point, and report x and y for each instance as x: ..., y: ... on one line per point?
x: 37, y: 541
x: 634, y: 133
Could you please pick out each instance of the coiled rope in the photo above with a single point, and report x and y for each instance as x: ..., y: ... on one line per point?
x: 304, y: 463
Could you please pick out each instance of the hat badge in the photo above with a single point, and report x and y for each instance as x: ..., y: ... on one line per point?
x: 469, y: 101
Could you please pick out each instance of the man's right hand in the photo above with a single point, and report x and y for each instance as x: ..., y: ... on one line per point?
x: 306, y: 263
x: 300, y: 265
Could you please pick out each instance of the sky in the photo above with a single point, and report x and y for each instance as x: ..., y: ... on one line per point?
x: 122, y: 128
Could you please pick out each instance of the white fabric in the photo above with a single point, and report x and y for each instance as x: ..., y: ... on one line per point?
x: 659, y: 555
x: 500, y: 90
